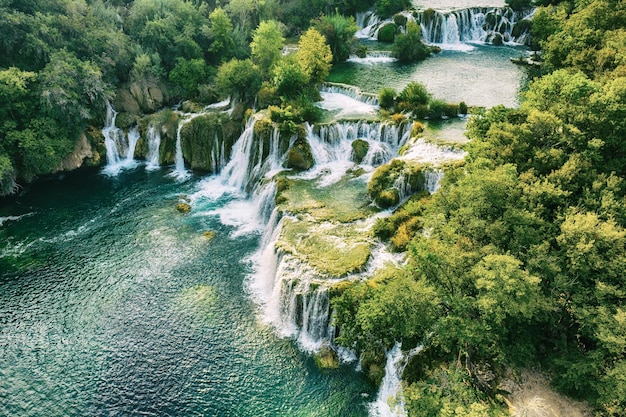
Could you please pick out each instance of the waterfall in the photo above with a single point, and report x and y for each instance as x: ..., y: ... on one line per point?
x: 367, y: 22
x: 154, y: 142
x: 453, y: 28
x: 253, y: 158
x: 133, y: 137
x: 373, y: 57
x: 389, y: 402
x: 293, y: 295
x: 179, y: 168
x: 433, y: 179
x: 351, y: 91
x: 475, y: 24
x: 120, y: 148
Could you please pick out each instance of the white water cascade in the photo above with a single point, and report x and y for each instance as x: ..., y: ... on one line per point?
x: 293, y: 296
x: 180, y: 172
x: 453, y: 29
x: 351, y: 91
x: 247, y: 164
x: 120, y: 148
x: 154, y: 142
x: 389, y: 402
x: 474, y: 24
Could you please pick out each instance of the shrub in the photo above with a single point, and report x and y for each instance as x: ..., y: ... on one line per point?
x: 409, y: 47
x: 386, y: 98
x: 437, y: 109
x: 398, y: 118
x: 387, y: 32
x: 414, y: 98
x: 399, y: 19
x: 417, y: 129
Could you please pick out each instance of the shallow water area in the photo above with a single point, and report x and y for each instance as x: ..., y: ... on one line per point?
x: 114, y: 303
x: 482, y: 76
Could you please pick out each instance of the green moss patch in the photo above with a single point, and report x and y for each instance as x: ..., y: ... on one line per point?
x: 345, y: 201
x: 334, y: 249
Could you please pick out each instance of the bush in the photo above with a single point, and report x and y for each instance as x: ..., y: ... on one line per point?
x: 409, y: 47
x: 398, y: 118
x: 462, y: 108
x: 387, y: 32
x: 267, y: 96
x: 437, y: 109
x: 361, y: 50
x: 400, y: 20
x: 386, y: 98
x: 414, y: 98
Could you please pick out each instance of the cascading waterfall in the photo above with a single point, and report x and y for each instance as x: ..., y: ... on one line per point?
x: 133, y: 138
x: 475, y: 24
x: 351, y: 91
x: 389, y: 402
x: 120, y: 148
x: 154, y: 142
x: 373, y: 57
x: 247, y: 164
x: 179, y: 168
x: 453, y: 28
x: 367, y: 22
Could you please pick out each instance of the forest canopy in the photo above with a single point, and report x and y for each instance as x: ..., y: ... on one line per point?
x: 522, y: 248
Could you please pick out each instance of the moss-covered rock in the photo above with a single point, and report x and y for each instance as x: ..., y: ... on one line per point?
x: 299, y: 157
x: 206, y: 140
x: 360, y: 148
x: 166, y: 121
x: 332, y: 249
x: 125, y: 120
x: 373, y: 363
x: 387, y: 32
x: 387, y: 198
x: 400, y: 20
x: 382, y: 186
x: 327, y: 358
x: 344, y: 201
x: 183, y: 207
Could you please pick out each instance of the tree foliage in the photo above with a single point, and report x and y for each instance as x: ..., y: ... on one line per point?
x: 409, y: 47
x: 314, y: 56
x: 339, y: 33
x: 267, y: 46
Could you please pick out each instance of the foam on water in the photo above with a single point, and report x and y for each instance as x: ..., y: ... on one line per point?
x: 345, y: 106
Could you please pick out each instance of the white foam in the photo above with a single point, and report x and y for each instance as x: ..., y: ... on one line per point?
x: 346, y: 106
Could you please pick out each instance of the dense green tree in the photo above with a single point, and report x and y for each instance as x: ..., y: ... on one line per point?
x: 72, y: 89
x: 267, y: 46
x: 190, y: 74
x: 289, y: 78
x: 387, y: 8
x: 339, y: 33
x: 220, y: 32
x: 314, y: 56
x: 240, y: 79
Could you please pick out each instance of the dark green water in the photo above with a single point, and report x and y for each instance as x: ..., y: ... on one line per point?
x: 114, y: 304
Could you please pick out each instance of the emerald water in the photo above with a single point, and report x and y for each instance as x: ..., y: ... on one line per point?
x: 112, y: 303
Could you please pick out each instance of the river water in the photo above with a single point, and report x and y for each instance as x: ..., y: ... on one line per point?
x: 112, y: 303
